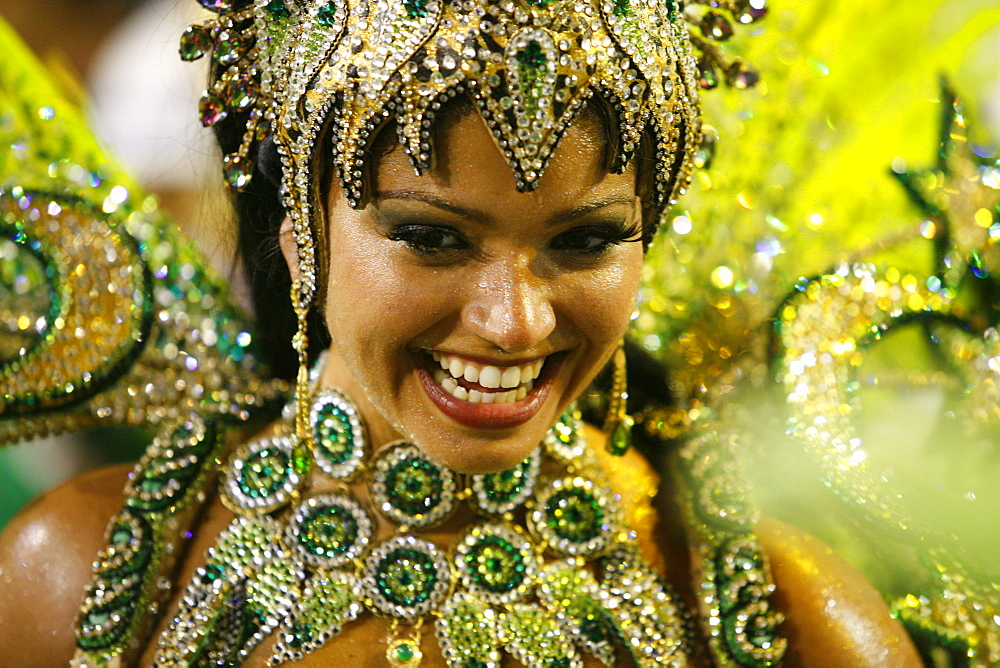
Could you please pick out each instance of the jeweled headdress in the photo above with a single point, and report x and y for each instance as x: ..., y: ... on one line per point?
x: 299, y: 69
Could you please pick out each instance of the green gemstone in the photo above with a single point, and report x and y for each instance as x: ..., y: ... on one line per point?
x: 151, y: 485
x: 505, y: 485
x: 302, y: 460
x: 327, y: 15
x: 416, y: 8
x: 621, y: 7
x: 195, y: 43
x: 277, y: 9
x: 301, y: 634
x: 673, y: 9
x: 212, y: 573
x: 404, y: 652
x: 532, y: 55
x: 621, y: 437
x: 414, y: 486
x: 495, y: 564
x: 98, y: 618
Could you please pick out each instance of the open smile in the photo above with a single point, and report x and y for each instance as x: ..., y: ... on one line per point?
x: 487, y: 396
x: 484, y: 383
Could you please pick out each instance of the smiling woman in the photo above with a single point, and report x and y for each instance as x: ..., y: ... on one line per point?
x: 486, y: 311
x: 473, y: 274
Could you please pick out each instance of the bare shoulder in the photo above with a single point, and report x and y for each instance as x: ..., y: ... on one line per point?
x: 833, y: 616
x: 46, y: 553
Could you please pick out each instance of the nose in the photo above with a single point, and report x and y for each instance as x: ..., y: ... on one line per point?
x: 510, y: 306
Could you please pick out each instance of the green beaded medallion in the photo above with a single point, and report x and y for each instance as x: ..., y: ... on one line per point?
x: 496, y: 562
x: 329, y: 530
x: 504, y: 491
x: 261, y: 478
x: 404, y: 578
x: 339, y: 436
x: 410, y: 489
x: 575, y: 517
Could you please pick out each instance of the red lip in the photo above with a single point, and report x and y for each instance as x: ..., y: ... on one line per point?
x: 493, y: 416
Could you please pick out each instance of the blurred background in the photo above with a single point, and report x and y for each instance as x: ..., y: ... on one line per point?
x: 119, y: 59
x: 807, y: 175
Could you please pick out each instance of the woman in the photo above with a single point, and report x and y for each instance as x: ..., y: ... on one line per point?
x: 432, y: 496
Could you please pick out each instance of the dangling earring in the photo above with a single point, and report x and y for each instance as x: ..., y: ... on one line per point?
x: 302, y: 458
x: 617, y: 422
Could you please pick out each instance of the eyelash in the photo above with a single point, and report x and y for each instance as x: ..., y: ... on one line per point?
x: 428, y: 240
x: 421, y: 238
x: 607, y: 234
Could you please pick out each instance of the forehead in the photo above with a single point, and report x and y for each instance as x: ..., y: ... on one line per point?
x: 470, y: 168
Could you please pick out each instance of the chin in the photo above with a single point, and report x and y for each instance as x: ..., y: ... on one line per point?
x: 479, y: 454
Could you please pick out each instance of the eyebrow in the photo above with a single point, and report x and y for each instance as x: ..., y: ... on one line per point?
x: 481, y: 217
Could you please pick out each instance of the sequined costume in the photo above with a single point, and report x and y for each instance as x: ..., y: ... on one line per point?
x: 179, y: 328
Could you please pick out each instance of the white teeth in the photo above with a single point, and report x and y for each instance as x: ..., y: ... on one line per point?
x: 518, y: 380
x: 490, y: 377
x: 471, y: 374
x: 511, y: 377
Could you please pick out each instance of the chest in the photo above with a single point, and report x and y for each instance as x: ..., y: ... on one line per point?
x: 566, y: 612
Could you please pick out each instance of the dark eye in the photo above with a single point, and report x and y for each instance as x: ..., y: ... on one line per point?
x: 594, y: 239
x: 428, y: 239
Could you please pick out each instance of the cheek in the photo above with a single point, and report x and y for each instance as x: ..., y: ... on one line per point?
x: 373, y: 304
x: 602, y: 301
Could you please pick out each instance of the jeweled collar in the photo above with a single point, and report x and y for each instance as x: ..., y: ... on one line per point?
x: 547, y: 571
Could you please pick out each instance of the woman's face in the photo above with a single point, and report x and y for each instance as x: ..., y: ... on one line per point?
x: 467, y: 315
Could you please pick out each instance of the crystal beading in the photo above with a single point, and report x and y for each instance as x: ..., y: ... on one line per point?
x: 308, y: 570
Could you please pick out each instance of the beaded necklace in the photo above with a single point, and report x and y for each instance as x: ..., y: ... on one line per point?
x: 519, y: 579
